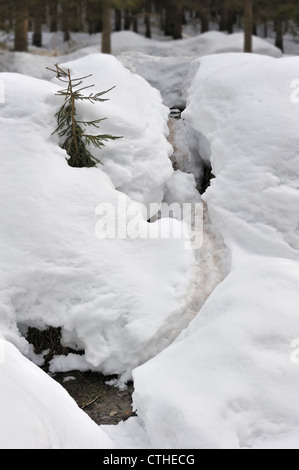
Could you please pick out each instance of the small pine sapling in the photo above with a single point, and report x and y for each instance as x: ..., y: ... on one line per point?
x: 77, y: 139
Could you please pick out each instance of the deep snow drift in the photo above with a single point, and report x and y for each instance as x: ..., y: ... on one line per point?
x: 101, y: 291
x: 229, y: 380
x: 119, y: 299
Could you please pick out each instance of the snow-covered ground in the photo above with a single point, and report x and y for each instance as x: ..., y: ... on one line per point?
x: 120, y: 299
x: 206, y: 334
x: 113, y: 297
x: 37, y: 413
x: 164, y: 64
x: 232, y: 370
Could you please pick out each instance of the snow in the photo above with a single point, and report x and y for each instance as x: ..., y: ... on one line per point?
x: 206, y: 334
x: 265, y: 146
x: 119, y: 299
x: 138, y: 164
x: 165, y: 64
x: 37, y: 413
x: 98, y: 290
x: 167, y: 74
x: 212, y: 42
x: 162, y: 62
x: 228, y: 381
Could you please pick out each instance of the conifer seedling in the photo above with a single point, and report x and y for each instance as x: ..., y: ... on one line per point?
x: 77, y: 139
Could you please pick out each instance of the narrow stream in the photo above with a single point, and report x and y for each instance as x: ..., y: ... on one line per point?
x: 107, y: 404
x: 212, y: 259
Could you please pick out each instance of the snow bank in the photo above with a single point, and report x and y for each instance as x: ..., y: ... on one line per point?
x: 119, y: 299
x: 37, y: 413
x: 167, y: 74
x: 212, y: 42
x: 138, y: 164
x: 229, y: 380
x: 165, y: 64
x: 251, y: 132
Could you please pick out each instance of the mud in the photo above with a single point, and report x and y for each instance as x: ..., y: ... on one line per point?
x: 105, y: 404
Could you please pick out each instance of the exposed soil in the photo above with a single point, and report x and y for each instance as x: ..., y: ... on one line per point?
x: 105, y: 404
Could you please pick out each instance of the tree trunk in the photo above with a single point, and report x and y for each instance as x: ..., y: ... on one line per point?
x: 265, y: 29
x: 37, y: 33
x: 21, y: 25
x: 279, y: 34
x: 135, y: 21
x: 80, y: 20
x: 74, y: 16
x: 248, y: 25
x: 128, y: 20
x: 286, y: 28
x: 89, y: 15
x: 106, y: 33
x: 53, y: 10
x: 204, y: 20
x: 117, y: 19
x: 173, y: 19
x: 2, y: 18
x: 65, y: 20
x: 223, y: 25
x: 147, y: 19
x: 178, y: 20
x: 98, y: 16
x: 230, y: 22
x: 168, y: 19
x: 254, y: 29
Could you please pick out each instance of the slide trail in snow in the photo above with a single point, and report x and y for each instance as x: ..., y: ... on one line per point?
x: 212, y: 259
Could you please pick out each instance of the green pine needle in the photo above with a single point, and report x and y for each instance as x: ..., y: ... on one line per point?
x: 73, y: 130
